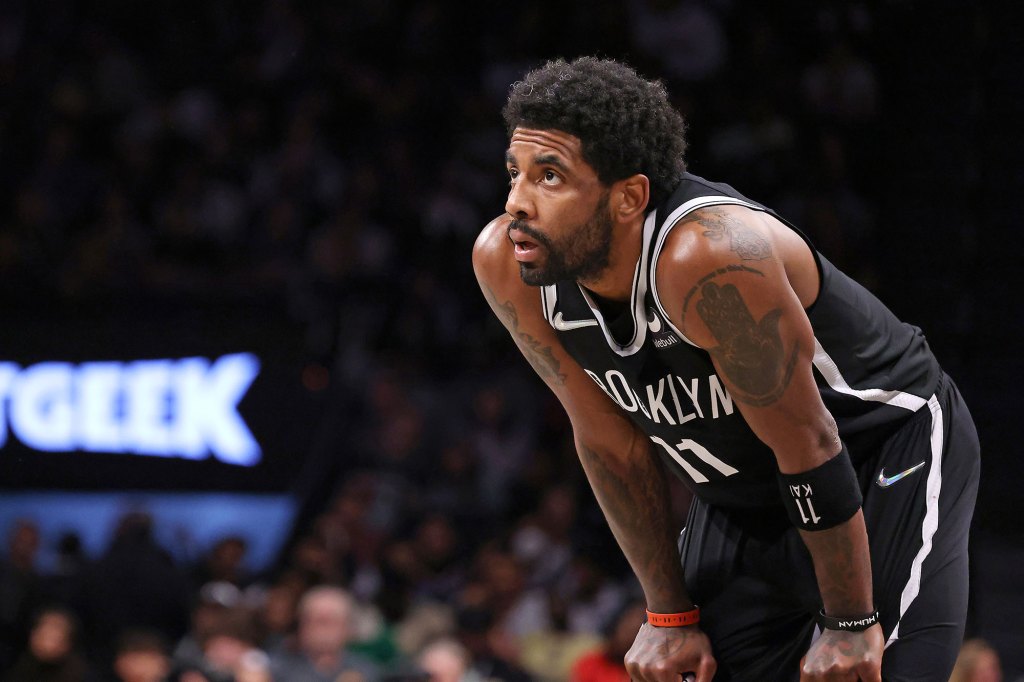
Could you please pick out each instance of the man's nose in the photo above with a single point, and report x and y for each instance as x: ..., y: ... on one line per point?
x: 520, y: 204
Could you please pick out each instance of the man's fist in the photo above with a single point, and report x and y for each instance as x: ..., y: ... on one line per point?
x: 663, y: 654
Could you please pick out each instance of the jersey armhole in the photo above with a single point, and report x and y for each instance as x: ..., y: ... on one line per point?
x: 817, y: 261
x: 673, y: 219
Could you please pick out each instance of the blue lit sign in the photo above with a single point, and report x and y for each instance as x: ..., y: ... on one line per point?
x: 184, y: 408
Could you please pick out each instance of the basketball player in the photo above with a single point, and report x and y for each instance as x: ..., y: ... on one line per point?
x: 687, y: 328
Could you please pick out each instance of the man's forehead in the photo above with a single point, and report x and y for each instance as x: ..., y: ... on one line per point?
x: 569, y: 146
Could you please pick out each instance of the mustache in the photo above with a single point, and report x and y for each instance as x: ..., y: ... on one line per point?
x: 533, y: 234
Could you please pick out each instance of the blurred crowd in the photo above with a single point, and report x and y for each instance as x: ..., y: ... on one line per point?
x: 337, y: 159
x: 341, y: 157
x: 135, y: 615
x: 528, y: 608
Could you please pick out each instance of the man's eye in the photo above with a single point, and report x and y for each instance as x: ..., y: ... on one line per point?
x: 551, y: 177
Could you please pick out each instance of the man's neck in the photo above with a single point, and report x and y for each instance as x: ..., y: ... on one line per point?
x: 615, y: 283
x: 326, y: 661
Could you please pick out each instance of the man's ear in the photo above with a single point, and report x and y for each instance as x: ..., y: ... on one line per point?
x: 630, y: 197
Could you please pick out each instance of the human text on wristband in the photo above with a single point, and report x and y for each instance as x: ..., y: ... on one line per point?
x: 854, y: 624
x: 674, y: 620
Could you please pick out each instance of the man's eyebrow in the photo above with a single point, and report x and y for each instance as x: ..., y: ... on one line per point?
x: 550, y: 160
x: 539, y: 160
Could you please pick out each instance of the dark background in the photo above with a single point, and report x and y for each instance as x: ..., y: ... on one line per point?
x: 305, y: 180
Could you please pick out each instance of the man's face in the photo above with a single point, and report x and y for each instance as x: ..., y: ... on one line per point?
x: 51, y: 638
x: 323, y: 626
x: 561, y: 226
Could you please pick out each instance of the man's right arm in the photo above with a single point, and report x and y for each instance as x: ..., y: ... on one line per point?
x: 627, y: 478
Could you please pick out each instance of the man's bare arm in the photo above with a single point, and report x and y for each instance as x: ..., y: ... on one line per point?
x: 627, y: 478
x: 738, y: 304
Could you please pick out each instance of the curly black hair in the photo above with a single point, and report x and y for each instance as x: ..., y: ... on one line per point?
x: 624, y: 122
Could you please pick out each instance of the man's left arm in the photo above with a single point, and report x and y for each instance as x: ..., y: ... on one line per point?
x: 725, y: 283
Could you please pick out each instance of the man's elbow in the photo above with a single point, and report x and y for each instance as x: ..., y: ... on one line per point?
x: 807, y: 446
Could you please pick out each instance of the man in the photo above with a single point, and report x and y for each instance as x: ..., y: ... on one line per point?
x: 141, y: 656
x: 446, y: 660
x: 834, y: 465
x: 324, y: 632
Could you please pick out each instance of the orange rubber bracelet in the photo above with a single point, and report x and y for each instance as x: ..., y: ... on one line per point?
x: 674, y: 620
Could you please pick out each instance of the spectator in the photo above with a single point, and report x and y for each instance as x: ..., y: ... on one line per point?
x: 19, y: 588
x: 230, y: 651
x: 977, y: 662
x: 494, y: 653
x: 277, y: 613
x: 543, y: 543
x: 62, y: 583
x: 550, y: 654
x: 438, y: 555
x: 214, y: 601
x: 445, y: 660
x: 607, y: 663
x: 501, y: 585
x: 319, y: 652
x: 592, y: 596
x: 135, y: 584
x: 502, y: 438
x: 141, y: 656
x: 224, y: 563
x: 51, y: 655
x: 424, y: 623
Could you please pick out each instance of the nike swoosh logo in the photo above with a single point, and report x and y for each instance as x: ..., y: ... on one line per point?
x: 886, y: 481
x: 563, y: 325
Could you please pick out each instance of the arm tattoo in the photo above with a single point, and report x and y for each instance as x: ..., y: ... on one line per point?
x: 746, y: 242
x: 841, y: 579
x: 751, y: 353
x: 542, y: 358
x: 634, y: 503
x: 836, y: 647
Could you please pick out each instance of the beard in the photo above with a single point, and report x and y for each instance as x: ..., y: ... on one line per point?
x: 581, y: 255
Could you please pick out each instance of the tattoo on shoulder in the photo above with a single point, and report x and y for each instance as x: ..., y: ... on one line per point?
x: 744, y: 240
x: 731, y: 268
x: 750, y: 352
x: 540, y: 357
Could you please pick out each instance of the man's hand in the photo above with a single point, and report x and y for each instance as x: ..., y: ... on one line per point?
x: 840, y: 656
x: 665, y: 654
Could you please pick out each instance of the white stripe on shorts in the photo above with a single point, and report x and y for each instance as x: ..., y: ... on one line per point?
x: 931, y: 517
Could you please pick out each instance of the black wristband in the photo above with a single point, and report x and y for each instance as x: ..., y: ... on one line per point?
x: 855, y: 624
x: 823, y: 497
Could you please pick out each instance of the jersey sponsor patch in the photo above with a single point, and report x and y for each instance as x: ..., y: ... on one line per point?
x: 661, y: 334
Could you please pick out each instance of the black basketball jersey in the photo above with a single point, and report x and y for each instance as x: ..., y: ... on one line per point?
x: 873, y: 371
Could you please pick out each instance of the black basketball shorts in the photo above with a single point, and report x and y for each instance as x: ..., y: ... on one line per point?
x: 753, y: 578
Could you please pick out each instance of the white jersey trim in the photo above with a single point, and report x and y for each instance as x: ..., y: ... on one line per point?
x: 639, y: 293
x: 931, y: 517
x: 667, y: 225
x: 548, y: 299
x: 828, y: 369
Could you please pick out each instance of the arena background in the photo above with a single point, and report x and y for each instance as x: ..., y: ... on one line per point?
x: 287, y: 194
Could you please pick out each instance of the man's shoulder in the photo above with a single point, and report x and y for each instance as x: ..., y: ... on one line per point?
x: 294, y: 666
x: 355, y: 660
x: 492, y: 242
x: 714, y: 236
x: 496, y: 268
